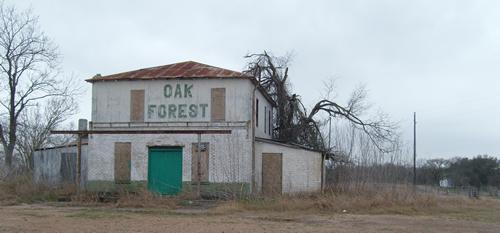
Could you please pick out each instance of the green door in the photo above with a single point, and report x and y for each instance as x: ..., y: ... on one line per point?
x: 165, y: 170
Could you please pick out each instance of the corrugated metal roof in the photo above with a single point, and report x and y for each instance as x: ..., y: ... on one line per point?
x: 188, y: 69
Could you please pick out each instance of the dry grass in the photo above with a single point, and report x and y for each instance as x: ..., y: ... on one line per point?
x: 382, y: 202
x: 373, y: 200
x: 22, y: 189
x: 404, y: 202
x: 142, y: 198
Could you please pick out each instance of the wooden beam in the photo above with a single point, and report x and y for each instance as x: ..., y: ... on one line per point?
x: 83, y: 132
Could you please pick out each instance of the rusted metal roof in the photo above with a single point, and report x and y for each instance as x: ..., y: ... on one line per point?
x: 188, y: 69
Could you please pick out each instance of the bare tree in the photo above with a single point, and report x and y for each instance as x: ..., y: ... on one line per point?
x: 35, y: 126
x: 28, y: 70
x: 295, y: 124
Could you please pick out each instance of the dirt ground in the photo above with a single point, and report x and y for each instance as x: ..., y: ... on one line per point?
x: 50, y: 218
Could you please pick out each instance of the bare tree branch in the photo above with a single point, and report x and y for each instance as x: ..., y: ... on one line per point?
x: 29, y: 64
x: 293, y: 123
x: 36, y: 124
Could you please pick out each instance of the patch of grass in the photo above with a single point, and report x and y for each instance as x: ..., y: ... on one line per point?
x: 278, y: 219
x: 97, y: 214
x: 482, y: 210
x: 32, y: 214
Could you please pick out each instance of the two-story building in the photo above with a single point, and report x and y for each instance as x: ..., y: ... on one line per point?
x: 170, y: 126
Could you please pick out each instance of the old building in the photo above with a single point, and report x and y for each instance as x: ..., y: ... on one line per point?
x: 147, y: 126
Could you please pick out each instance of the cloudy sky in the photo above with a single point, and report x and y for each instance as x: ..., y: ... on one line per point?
x: 438, y: 58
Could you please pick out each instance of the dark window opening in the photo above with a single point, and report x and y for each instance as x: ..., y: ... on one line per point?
x: 265, y: 119
x: 270, y: 129
x: 256, y: 112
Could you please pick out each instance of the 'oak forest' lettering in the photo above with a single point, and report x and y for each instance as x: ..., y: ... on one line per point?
x: 173, y: 109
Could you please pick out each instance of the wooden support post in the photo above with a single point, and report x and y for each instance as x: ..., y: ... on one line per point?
x: 78, y: 161
x: 198, y: 167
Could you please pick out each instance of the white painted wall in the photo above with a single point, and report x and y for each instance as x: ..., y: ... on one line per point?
x: 229, y: 161
x: 230, y: 155
x: 111, y: 100
x: 262, y: 130
x: 301, y: 168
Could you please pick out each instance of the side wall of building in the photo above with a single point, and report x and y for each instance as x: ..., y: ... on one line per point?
x: 265, y: 114
x: 301, y: 168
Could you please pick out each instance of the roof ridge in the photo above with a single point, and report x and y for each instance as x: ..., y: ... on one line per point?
x: 188, y: 69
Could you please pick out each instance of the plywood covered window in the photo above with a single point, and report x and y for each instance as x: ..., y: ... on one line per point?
x: 218, y: 106
x: 122, y: 162
x: 200, y: 174
x: 272, y: 173
x: 137, y: 105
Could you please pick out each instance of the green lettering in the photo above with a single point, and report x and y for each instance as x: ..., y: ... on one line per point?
x: 151, y: 110
x: 193, y: 110
x: 162, y: 111
x: 167, y: 91
x: 203, y: 108
x: 182, y: 110
x: 178, y: 91
x: 187, y: 90
x: 171, y: 110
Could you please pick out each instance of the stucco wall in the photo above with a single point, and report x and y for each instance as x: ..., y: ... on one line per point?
x: 262, y: 130
x: 111, y: 100
x: 229, y: 155
x: 301, y: 168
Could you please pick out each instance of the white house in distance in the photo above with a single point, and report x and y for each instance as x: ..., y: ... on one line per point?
x: 147, y: 124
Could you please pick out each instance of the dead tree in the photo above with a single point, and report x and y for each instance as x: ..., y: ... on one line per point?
x: 28, y: 70
x: 293, y: 123
x: 35, y: 126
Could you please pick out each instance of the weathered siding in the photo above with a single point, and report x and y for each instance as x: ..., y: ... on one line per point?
x: 47, y: 164
x: 301, y: 168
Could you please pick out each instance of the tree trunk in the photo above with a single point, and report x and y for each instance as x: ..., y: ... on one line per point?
x: 9, y: 152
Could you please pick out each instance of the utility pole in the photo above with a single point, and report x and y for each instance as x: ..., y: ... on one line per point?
x: 414, y: 148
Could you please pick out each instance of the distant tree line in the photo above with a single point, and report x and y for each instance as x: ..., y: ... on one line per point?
x: 480, y: 171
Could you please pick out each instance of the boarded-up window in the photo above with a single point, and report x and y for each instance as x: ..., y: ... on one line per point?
x: 137, y: 105
x: 218, y: 104
x: 203, y: 171
x: 68, y: 167
x: 122, y: 162
x: 256, y: 112
x: 272, y: 173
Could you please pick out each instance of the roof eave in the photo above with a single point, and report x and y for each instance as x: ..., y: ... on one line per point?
x: 104, y: 79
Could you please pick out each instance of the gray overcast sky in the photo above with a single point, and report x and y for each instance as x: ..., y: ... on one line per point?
x: 438, y: 58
